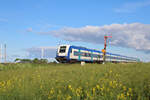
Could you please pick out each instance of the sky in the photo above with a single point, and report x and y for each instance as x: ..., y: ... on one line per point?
x: 26, y: 26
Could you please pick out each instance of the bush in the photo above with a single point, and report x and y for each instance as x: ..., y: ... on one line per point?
x: 35, y: 61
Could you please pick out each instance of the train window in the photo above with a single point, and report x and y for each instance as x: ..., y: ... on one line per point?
x: 85, y: 54
x: 82, y: 53
x: 93, y: 55
x: 89, y: 55
x: 99, y: 56
x: 76, y: 53
x: 62, y: 49
x: 108, y: 57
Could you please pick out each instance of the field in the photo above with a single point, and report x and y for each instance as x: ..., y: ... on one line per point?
x: 75, y: 82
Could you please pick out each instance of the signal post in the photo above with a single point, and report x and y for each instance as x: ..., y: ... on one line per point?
x: 105, y: 45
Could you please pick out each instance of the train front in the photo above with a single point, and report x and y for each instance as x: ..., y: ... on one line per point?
x: 62, y: 53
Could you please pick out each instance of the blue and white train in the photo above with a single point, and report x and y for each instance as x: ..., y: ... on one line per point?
x: 71, y: 54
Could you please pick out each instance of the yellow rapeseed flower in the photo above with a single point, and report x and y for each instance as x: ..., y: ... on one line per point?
x: 117, y: 75
x: 128, y: 93
x: 93, y: 90
x: 107, y: 89
x: 122, y: 96
x: 69, y: 97
x: 38, y: 76
x: 124, y: 88
x: 52, y: 91
x: 130, y: 89
x: 49, y: 97
x: 3, y: 83
x: 102, y: 88
x: 59, y: 91
x: 110, y: 71
x: 8, y: 82
x: 78, y: 92
x: 118, y: 97
x: 41, y: 86
x: 120, y: 85
x: 111, y: 83
x: 97, y: 86
x: 69, y: 86
x: 87, y: 93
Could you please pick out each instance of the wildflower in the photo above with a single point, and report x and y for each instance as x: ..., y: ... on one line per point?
x: 38, y: 76
x: 41, y: 86
x: 78, y: 92
x: 97, y: 86
x: 69, y: 86
x: 52, y: 91
x: 118, y: 97
x: 102, y: 88
x: 87, y: 93
x: 117, y: 75
x: 107, y: 89
x: 110, y: 71
x: 128, y: 94
x: 124, y: 88
x: 120, y: 85
x: 130, y: 89
x: 2, y: 83
x: 8, y: 82
x: 59, y: 91
x: 122, y: 95
x: 69, y: 97
x: 111, y: 83
x: 114, y: 82
x: 87, y: 83
x: 49, y: 97
x: 93, y: 90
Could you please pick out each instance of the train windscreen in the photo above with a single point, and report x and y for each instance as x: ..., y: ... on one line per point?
x: 62, y: 49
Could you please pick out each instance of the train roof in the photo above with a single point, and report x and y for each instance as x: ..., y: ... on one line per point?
x: 84, y: 48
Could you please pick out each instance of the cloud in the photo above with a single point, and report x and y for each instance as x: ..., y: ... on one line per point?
x: 134, y: 35
x: 35, y: 52
x: 132, y: 7
x: 29, y: 30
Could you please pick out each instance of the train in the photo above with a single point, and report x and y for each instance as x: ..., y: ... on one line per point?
x: 73, y: 54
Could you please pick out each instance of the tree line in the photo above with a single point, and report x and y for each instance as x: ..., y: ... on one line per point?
x: 36, y: 60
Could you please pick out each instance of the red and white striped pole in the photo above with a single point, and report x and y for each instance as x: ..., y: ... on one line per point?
x: 105, y: 45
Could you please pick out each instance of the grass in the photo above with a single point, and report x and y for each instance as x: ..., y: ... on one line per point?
x: 75, y: 82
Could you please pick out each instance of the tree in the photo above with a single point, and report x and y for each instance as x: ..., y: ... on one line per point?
x: 17, y: 59
x: 36, y: 60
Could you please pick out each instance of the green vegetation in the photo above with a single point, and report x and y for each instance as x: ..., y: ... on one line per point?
x: 36, y: 60
x: 75, y: 82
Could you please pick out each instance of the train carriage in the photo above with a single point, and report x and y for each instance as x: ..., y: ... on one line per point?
x: 70, y: 54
